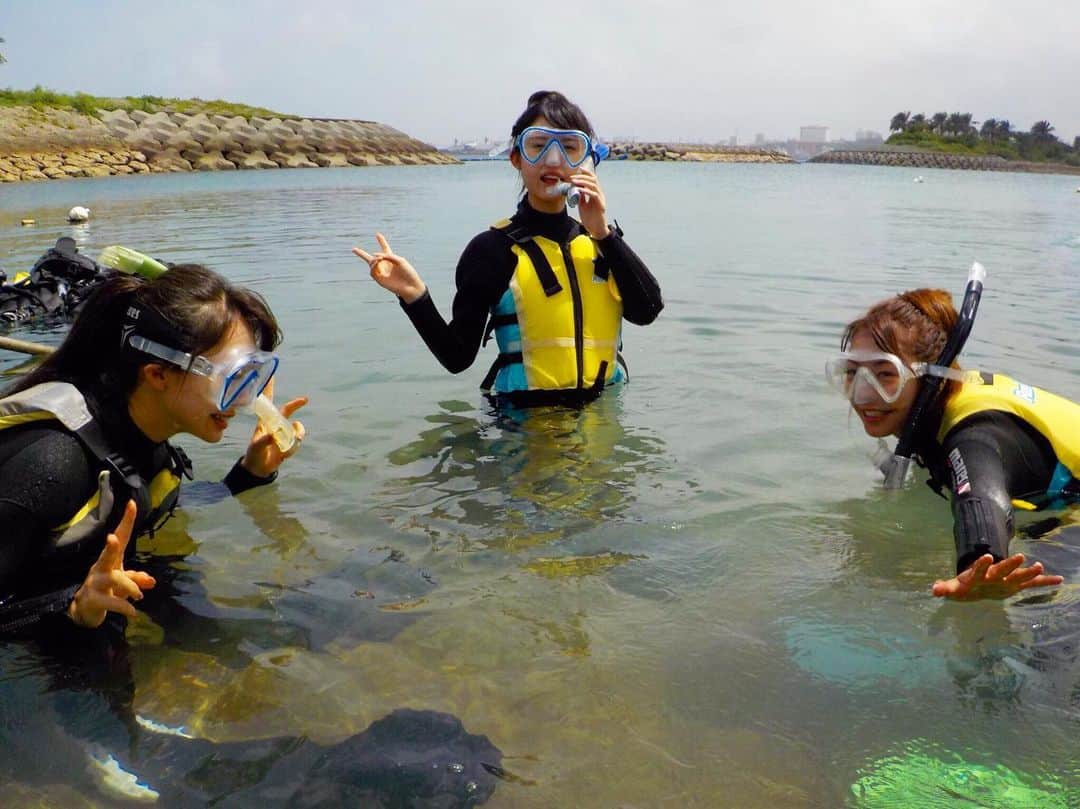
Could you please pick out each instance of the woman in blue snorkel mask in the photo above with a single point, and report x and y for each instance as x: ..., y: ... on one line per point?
x: 995, y: 443
x: 85, y: 459
x: 551, y: 289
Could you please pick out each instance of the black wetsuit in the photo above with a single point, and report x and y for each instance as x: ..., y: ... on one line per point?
x: 483, y: 275
x: 46, y: 475
x: 986, y: 461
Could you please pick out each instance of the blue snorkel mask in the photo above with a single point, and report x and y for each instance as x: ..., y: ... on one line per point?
x: 574, y: 147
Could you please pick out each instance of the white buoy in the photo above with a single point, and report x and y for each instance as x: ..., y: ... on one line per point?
x: 919, y: 179
x: 78, y: 214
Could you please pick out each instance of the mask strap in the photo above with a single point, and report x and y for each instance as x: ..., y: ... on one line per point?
x: 941, y: 371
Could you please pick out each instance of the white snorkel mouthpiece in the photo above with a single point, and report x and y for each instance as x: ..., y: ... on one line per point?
x: 568, y: 190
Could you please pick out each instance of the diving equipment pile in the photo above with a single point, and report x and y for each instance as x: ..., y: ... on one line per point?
x: 62, y: 279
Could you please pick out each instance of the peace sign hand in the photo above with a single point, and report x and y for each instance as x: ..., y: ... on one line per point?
x: 108, y: 586
x: 393, y: 272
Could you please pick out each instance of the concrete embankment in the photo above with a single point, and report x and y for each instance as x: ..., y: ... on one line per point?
x: 56, y: 144
x: 938, y: 160
x: 696, y: 153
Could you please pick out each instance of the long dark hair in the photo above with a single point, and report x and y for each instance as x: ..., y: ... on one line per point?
x: 195, y: 303
x: 560, y: 111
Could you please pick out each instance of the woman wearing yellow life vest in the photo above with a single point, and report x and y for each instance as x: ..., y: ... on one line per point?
x: 998, y: 444
x: 553, y: 290
x: 85, y: 457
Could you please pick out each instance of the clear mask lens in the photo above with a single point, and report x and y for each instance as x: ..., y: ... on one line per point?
x: 864, y: 377
x: 553, y: 146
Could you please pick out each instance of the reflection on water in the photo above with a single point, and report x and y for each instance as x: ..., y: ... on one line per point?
x: 524, y: 478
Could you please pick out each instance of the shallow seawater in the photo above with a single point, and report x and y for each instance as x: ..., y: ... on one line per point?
x: 692, y: 593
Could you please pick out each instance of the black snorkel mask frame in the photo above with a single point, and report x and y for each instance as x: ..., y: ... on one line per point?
x: 897, y: 466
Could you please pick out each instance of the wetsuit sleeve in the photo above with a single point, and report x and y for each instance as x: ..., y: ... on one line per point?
x: 483, y: 274
x: 640, y: 291
x: 992, y: 457
x: 239, y: 480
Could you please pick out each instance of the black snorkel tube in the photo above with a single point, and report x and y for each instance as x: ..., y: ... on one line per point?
x: 896, y: 467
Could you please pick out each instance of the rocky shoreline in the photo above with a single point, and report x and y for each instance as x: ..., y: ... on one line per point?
x: 695, y: 153
x: 914, y: 158
x: 60, y: 144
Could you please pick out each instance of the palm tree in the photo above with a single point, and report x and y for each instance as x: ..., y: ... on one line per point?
x: 899, y: 122
x: 952, y: 124
x: 937, y: 122
x: 917, y: 122
x: 989, y: 129
x: 1076, y: 144
x: 1041, y: 130
x: 1004, y: 129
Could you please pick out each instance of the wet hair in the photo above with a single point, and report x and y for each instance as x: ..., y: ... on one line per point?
x: 914, y: 326
x: 192, y: 304
x: 560, y: 112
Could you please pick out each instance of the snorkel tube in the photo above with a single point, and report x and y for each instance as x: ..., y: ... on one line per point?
x: 897, y: 465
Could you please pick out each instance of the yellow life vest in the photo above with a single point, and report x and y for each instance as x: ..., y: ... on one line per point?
x: 1057, y: 419
x: 63, y: 402
x: 559, y: 324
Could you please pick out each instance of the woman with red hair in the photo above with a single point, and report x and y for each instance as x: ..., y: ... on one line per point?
x: 996, y: 443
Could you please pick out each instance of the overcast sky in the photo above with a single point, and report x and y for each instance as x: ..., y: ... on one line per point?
x: 672, y: 70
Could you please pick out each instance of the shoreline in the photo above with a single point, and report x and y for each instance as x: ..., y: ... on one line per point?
x: 695, y: 153
x: 62, y: 144
x: 58, y: 144
x: 923, y: 159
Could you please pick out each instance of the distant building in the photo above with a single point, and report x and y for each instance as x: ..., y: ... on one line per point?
x: 868, y: 136
x: 733, y: 140
x: 813, y: 134
x: 759, y: 139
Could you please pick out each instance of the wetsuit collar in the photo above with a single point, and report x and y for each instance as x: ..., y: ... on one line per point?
x: 558, y: 227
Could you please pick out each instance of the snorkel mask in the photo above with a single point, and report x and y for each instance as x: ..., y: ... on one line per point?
x: 867, y: 376
x: 896, y: 466
x: 571, y: 146
x: 237, y: 377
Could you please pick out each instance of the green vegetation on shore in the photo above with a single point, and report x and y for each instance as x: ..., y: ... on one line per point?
x: 957, y: 133
x: 41, y: 98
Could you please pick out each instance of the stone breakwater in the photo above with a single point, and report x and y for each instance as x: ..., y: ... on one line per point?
x: 59, y: 144
x: 696, y: 153
x: 938, y: 160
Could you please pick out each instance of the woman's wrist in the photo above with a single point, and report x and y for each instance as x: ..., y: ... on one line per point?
x: 241, y: 478
x: 413, y: 295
